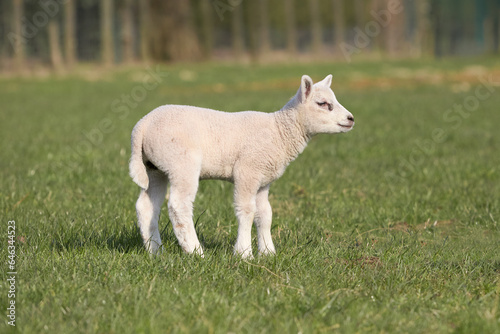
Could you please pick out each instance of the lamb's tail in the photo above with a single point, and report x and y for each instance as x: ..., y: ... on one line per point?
x: 137, y: 169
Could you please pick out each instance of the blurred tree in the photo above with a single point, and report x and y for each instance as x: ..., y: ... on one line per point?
x: 265, y: 38
x: 395, y: 30
x: 237, y: 37
x: 495, y: 12
x: 252, y: 30
x: 127, y: 30
x: 481, y: 13
x: 338, y: 21
x: 491, y: 26
x: 18, y: 42
x: 207, y: 28
x: 437, y: 18
x: 316, y: 27
x: 455, y: 26
x: 377, y: 40
x: 144, y: 29
x: 174, y: 37
x: 69, y: 32
x: 423, y: 37
x: 56, y: 59
x: 359, y: 13
x: 107, y: 45
x: 291, y: 30
x: 4, y: 27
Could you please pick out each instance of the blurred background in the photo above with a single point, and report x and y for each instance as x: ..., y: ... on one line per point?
x: 60, y: 33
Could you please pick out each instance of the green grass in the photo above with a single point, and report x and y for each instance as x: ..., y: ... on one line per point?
x: 377, y: 230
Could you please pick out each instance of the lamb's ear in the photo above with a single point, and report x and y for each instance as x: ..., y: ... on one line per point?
x: 327, y: 81
x: 306, y: 84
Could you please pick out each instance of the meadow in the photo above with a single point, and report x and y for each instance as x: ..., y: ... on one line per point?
x: 390, y: 228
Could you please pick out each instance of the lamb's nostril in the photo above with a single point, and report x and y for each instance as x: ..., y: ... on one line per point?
x: 350, y: 118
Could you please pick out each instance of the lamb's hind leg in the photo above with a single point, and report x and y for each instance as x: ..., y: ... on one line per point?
x: 263, y: 219
x: 148, y: 208
x: 183, y: 188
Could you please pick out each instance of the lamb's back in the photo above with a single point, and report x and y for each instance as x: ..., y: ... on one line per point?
x: 206, y: 125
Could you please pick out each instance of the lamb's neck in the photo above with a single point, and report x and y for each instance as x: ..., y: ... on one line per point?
x: 291, y: 131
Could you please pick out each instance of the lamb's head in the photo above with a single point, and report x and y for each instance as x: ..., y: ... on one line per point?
x: 319, y: 109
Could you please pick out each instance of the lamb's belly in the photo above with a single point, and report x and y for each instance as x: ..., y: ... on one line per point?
x: 216, y: 170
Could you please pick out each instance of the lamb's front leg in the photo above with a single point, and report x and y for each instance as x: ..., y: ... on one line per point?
x: 263, y: 219
x: 245, y: 207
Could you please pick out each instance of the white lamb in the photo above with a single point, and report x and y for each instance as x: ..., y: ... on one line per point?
x: 183, y: 144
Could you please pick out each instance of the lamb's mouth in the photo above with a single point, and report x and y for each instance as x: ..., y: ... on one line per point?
x: 345, y: 126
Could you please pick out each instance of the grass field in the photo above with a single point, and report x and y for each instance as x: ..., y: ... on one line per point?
x: 392, y: 227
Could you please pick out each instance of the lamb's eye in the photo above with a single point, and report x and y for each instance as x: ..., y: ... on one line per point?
x: 325, y: 105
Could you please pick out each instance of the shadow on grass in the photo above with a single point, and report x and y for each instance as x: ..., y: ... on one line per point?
x: 125, y: 241
x: 128, y: 240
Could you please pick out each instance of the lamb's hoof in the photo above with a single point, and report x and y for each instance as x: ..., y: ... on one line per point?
x: 245, y: 255
x: 198, y: 251
x: 156, y: 252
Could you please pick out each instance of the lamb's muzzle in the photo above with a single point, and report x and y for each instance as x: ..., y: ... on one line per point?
x: 182, y: 144
x: 349, y: 124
